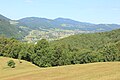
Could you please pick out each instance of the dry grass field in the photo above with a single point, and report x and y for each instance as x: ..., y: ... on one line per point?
x: 28, y: 71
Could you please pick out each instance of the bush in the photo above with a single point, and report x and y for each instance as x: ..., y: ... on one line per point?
x: 11, y: 64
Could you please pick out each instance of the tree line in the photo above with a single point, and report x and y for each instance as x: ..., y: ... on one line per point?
x: 78, y: 49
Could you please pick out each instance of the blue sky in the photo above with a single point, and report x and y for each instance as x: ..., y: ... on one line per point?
x: 94, y: 11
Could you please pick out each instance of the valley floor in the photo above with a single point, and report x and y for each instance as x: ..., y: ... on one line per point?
x: 28, y: 71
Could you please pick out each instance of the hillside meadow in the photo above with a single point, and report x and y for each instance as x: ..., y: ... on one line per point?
x: 28, y: 71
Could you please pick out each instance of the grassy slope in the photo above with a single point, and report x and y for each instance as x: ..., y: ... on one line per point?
x: 21, y: 68
x: 28, y: 71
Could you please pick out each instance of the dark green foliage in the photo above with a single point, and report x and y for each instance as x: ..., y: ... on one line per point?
x: 11, y: 64
x: 77, y: 49
x: 42, y: 54
x: 94, y: 47
x: 110, y: 52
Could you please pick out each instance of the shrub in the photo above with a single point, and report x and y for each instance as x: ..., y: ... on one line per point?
x: 11, y: 63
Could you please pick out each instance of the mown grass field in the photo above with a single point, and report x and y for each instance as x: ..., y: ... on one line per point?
x: 28, y: 71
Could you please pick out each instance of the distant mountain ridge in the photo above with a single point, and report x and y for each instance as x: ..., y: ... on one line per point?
x: 64, y: 23
x: 37, y: 28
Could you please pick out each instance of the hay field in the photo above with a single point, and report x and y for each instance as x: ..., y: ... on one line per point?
x: 28, y: 71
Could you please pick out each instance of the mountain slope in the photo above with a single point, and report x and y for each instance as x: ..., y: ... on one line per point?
x: 10, y: 30
x: 64, y: 23
x: 36, y: 23
x: 4, y: 18
x: 32, y: 29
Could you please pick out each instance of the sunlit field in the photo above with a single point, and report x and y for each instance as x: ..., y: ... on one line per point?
x: 28, y: 71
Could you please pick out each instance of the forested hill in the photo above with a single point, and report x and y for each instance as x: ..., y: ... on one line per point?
x: 92, y: 41
x: 4, y: 18
x: 10, y: 30
x: 77, y: 49
x: 94, y: 47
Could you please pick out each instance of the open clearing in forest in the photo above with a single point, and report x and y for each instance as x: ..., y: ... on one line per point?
x: 28, y: 71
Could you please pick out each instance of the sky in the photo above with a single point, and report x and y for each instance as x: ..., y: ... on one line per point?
x: 93, y: 11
